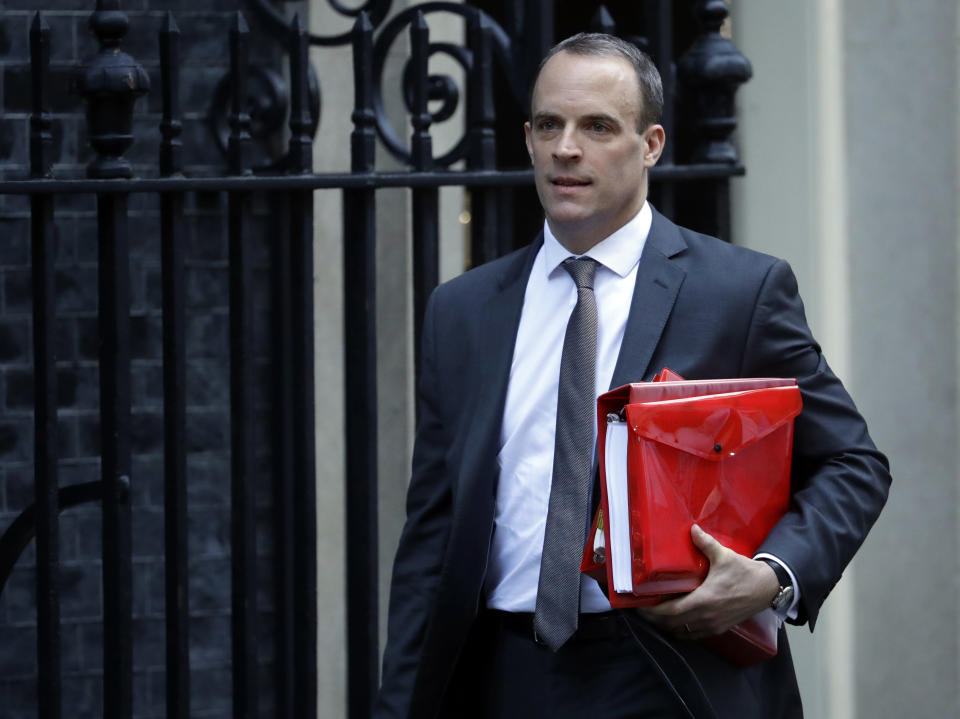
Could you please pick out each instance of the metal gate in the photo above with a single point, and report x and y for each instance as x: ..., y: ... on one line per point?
x: 502, y: 46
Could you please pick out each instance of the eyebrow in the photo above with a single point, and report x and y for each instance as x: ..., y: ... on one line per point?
x: 545, y: 116
x: 598, y: 117
x: 605, y: 119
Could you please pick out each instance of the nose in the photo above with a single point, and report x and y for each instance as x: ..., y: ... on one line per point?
x: 567, y: 147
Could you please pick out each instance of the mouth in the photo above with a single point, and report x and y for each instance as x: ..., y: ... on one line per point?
x: 568, y: 185
x: 568, y: 182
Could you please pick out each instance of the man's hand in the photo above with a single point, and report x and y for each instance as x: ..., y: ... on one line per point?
x: 736, y: 588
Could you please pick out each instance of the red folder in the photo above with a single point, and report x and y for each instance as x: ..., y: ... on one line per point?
x: 712, y: 452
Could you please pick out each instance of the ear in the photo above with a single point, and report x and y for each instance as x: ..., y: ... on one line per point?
x: 526, y: 133
x: 654, y: 139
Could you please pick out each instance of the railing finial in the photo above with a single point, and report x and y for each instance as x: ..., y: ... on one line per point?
x: 111, y: 84
x: 712, y: 70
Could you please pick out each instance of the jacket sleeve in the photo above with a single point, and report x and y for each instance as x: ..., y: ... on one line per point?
x: 840, y: 480
x: 420, y: 552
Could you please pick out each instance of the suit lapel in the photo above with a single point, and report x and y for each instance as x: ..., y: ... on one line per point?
x: 656, y: 289
x: 497, y: 332
x: 496, y: 326
x: 658, y: 283
x: 655, y: 292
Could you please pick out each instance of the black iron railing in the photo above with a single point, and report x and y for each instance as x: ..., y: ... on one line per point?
x: 710, y: 72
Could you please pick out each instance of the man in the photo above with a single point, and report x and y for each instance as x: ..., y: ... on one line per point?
x: 481, y: 622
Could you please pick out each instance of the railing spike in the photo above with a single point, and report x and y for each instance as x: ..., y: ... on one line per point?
x: 363, y: 137
x: 300, y: 153
x: 239, y: 141
x: 419, y: 21
x: 421, y: 143
x: 171, y: 147
x: 602, y: 21
x: 41, y: 139
x: 363, y: 23
x: 240, y: 23
x: 39, y: 22
x: 170, y: 24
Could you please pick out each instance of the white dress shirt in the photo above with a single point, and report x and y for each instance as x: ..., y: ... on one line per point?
x: 530, y: 414
x: 528, y: 431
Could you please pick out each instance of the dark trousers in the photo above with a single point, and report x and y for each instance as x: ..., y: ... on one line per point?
x: 601, y: 672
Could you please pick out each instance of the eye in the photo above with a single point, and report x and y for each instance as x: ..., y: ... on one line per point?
x: 598, y: 127
x: 546, y: 125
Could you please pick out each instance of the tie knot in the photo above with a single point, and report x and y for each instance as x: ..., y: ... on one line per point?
x: 582, y: 270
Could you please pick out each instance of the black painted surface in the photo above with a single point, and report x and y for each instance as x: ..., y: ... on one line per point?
x: 204, y: 285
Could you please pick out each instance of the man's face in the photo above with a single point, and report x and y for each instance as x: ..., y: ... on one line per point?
x: 589, y: 159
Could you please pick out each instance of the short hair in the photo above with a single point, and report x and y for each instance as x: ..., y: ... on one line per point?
x: 597, y: 43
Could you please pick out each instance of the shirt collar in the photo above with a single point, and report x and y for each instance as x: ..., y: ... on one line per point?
x: 619, y: 252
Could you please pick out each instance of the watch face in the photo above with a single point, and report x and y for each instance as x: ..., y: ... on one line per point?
x: 783, y: 599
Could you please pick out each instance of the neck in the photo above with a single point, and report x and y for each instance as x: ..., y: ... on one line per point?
x: 576, y: 244
x: 580, y: 237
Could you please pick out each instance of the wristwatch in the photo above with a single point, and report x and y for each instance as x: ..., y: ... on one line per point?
x: 784, y: 597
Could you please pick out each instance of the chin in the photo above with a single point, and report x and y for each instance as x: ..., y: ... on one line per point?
x: 563, y: 225
x: 567, y: 213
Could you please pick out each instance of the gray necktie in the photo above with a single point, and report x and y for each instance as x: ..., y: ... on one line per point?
x: 558, y: 591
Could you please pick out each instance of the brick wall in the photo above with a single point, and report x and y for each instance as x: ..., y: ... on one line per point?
x: 204, y: 43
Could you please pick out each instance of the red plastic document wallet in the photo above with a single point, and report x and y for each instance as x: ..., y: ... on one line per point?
x: 673, y: 453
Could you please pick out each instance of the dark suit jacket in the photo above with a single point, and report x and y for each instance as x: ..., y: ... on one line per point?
x: 701, y: 307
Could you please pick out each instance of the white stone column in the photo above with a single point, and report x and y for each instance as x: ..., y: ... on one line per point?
x: 394, y: 308
x: 850, y: 136
x: 331, y: 153
x: 901, y: 95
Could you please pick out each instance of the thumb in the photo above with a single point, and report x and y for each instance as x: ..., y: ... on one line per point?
x: 706, y: 544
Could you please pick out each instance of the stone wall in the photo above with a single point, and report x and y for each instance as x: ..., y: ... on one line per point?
x: 204, y: 57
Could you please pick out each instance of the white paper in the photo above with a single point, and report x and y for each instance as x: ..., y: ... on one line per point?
x: 615, y: 463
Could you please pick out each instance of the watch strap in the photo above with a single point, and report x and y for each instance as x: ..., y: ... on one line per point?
x: 782, y: 575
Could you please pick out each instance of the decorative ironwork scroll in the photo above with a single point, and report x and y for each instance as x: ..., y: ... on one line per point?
x: 440, y: 88
x: 267, y: 97
x: 277, y: 26
x: 267, y: 105
x: 711, y: 70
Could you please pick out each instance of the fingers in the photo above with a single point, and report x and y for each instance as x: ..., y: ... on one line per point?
x: 664, y: 618
x: 688, y: 625
x: 680, y: 617
x: 707, y: 544
x: 682, y: 626
x: 668, y: 607
x: 721, y: 601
